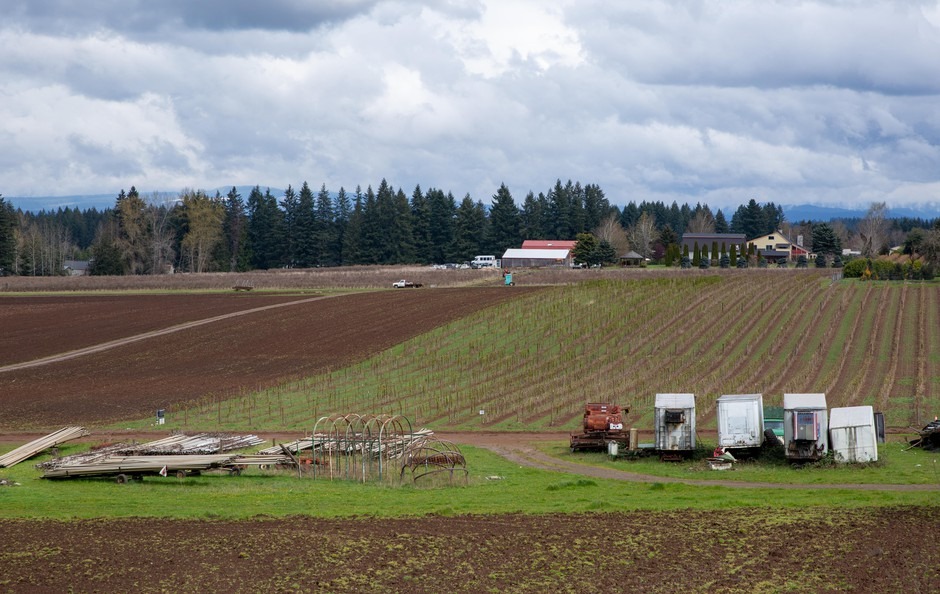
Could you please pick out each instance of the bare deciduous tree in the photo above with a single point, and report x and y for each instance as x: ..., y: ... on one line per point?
x: 157, y: 214
x: 873, y: 230
x: 642, y: 234
x: 611, y: 231
x: 702, y: 222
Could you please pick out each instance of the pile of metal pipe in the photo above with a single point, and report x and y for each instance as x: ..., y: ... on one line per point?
x: 174, y: 446
x: 140, y: 465
x: 40, y: 445
x: 82, y: 457
x: 293, y: 446
x: 202, y: 443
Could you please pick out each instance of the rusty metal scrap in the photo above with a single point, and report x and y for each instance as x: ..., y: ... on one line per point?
x: 928, y: 437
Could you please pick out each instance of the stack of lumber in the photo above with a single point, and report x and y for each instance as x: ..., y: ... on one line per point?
x: 112, y: 465
x: 42, y: 444
x: 175, y: 453
x: 138, y: 465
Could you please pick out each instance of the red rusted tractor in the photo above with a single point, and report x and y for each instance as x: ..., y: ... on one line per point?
x: 603, y: 423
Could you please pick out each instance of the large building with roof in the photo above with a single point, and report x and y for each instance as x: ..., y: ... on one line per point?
x: 703, y: 240
x: 535, y: 258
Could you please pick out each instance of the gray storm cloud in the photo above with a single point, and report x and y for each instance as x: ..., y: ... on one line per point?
x: 826, y: 102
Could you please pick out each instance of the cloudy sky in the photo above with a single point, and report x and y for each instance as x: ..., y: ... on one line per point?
x: 831, y: 102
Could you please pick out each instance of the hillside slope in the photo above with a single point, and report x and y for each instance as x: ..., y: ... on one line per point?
x: 531, y: 363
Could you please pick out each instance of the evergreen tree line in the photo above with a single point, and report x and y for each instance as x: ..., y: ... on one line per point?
x: 302, y: 228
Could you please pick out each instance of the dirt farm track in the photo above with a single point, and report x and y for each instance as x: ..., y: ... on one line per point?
x: 94, y: 359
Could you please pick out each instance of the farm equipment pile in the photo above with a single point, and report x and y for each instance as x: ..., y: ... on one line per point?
x: 179, y: 454
x: 602, y: 424
x: 928, y: 437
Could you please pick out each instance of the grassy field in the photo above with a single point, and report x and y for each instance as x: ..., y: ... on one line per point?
x: 517, y: 489
x: 897, y: 465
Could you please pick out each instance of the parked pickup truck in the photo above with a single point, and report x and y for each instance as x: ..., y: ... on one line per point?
x: 403, y: 284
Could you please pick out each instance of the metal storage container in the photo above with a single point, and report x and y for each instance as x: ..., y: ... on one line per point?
x: 675, y: 422
x: 852, y: 434
x: 740, y: 421
x: 805, y: 424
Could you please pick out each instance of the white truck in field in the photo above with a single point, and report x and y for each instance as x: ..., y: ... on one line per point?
x: 484, y: 262
x: 404, y: 284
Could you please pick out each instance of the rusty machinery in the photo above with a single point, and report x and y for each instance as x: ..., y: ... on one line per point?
x: 602, y: 424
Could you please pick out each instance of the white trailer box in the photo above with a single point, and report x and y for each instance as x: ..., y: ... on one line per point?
x: 852, y: 434
x: 805, y: 424
x: 740, y: 421
x: 675, y: 422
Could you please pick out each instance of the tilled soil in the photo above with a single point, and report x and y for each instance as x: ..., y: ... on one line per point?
x: 812, y: 550
x: 251, y: 351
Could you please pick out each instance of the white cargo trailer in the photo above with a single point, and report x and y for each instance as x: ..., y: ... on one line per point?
x: 675, y: 422
x: 805, y: 424
x: 852, y: 434
x: 741, y: 421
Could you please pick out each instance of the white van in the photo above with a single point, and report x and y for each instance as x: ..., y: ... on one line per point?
x: 485, y: 262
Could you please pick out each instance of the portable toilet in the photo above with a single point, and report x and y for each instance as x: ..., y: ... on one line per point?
x: 675, y: 422
x: 852, y: 434
x: 741, y: 421
x: 805, y: 424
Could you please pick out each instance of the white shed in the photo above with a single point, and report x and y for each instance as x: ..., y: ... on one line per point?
x: 533, y: 258
x: 805, y: 424
x: 675, y: 422
x: 852, y: 434
x: 740, y: 421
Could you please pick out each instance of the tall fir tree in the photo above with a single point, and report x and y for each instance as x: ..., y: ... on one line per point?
x: 721, y: 223
x: 825, y: 240
x: 342, y: 212
x: 532, y: 217
x: 305, y: 229
x: 629, y: 215
x: 7, y: 237
x: 560, y: 212
x: 421, y: 227
x: 324, y: 230
x: 289, y: 204
x: 235, y: 231
x: 372, y: 238
x: 504, y: 226
x: 352, y: 238
x: 401, y: 230
x: 469, y: 226
x: 265, y: 230
x: 443, y: 211
x: 596, y: 207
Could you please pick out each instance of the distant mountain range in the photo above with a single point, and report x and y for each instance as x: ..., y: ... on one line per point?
x: 811, y: 212
x: 794, y: 213
x: 102, y: 201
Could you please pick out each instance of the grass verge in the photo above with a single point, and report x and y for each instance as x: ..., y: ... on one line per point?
x: 517, y: 489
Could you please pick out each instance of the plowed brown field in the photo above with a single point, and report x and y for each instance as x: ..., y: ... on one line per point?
x: 817, y: 550
x: 157, y: 360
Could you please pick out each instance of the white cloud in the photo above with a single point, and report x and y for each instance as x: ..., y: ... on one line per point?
x: 651, y: 99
